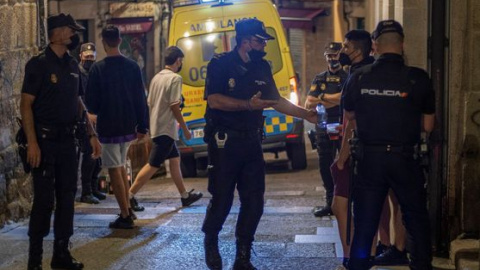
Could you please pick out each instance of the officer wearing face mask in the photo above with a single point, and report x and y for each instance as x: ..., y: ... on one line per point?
x: 239, y: 85
x: 90, y: 168
x: 327, y: 83
x: 50, y: 107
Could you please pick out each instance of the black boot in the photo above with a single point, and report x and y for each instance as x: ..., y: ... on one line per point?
x: 212, y: 255
x: 323, y: 211
x: 326, y: 210
x: 242, y: 258
x: 35, y: 252
x: 62, y: 259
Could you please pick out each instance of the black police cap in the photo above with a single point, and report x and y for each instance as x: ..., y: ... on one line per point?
x: 88, y: 48
x: 252, y: 27
x: 387, y: 26
x: 333, y: 48
x: 60, y: 20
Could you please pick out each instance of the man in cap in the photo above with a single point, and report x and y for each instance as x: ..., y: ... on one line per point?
x: 329, y: 82
x: 239, y: 85
x: 402, y: 102
x: 50, y: 107
x: 90, y: 168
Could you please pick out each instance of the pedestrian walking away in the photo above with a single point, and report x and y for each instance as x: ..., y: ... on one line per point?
x: 164, y: 101
x: 239, y: 85
x: 116, y: 96
x: 50, y: 107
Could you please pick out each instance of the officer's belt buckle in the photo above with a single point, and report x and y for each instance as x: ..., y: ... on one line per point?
x: 220, y: 142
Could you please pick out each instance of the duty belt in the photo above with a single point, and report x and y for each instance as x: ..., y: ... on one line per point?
x: 49, y: 132
x: 243, y: 134
x: 388, y: 148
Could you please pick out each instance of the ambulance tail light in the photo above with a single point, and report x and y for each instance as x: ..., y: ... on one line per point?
x: 293, y: 98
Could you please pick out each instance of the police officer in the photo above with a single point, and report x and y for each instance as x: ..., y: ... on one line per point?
x: 50, y: 107
x: 90, y: 167
x: 239, y: 85
x: 327, y: 83
x: 401, y: 100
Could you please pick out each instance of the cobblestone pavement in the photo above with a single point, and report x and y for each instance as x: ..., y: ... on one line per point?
x: 168, y: 236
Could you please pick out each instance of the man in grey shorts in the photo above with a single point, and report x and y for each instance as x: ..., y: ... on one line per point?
x: 164, y: 100
x: 116, y: 95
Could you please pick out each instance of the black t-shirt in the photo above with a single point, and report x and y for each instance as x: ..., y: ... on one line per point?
x: 228, y: 75
x: 365, y: 61
x: 329, y: 83
x: 55, y: 83
x: 116, y: 94
x: 389, y: 99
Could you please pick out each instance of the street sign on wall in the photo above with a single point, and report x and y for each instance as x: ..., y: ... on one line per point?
x: 132, y: 10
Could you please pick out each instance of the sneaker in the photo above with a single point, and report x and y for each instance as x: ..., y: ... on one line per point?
x: 99, y: 195
x: 132, y: 214
x: 89, y: 199
x: 323, y: 211
x: 192, y: 197
x: 345, y: 262
x: 122, y: 223
x: 392, y: 256
x: 135, y: 206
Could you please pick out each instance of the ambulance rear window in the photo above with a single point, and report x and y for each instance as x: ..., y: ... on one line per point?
x: 200, y: 49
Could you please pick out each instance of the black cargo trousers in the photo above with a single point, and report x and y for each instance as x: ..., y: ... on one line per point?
x: 239, y: 164
x: 90, y: 168
x: 377, y: 172
x: 54, y: 184
x: 327, y: 150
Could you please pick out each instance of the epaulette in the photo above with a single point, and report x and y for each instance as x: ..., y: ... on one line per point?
x: 322, y: 76
x: 219, y: 55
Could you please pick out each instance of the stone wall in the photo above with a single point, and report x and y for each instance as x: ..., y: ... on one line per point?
x: 464, y: 118
x: 18, y: 43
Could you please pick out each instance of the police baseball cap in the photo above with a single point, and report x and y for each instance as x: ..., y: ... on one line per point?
x: 60, y: 20
x: 387, y: 26
x: 333, y: 48
x: 88, y: 48
x: 252, y: 27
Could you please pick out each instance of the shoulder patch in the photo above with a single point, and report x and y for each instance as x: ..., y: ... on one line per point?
x: 219, y: 55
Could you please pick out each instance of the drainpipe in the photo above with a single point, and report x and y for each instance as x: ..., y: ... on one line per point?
x: 437, y: 182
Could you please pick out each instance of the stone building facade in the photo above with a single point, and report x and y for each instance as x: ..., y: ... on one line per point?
x: 19, y: 40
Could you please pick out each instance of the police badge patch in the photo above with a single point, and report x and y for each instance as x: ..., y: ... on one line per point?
x: 53, y: 78
x: 323, y: 87
x: 231, y: 83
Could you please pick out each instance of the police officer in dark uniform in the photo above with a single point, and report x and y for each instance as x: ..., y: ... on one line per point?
x: 50, y: 106
x: 390, y: 103
x: 239, y: 85
x: 90, y: 167
x: 327, y: 83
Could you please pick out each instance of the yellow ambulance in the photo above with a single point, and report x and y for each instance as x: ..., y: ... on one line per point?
x: 204, y: 28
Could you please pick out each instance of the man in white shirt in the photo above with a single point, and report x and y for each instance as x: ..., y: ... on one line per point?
x: 164, y: 100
